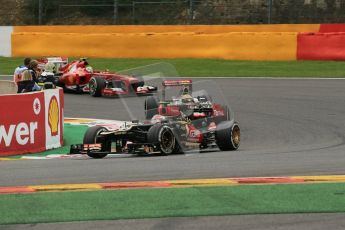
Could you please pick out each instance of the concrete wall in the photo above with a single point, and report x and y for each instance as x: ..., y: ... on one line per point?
x: 5, y: 40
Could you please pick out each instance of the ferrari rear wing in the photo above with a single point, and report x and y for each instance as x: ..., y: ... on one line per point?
x: 59, y: 62
x: 63, y: 60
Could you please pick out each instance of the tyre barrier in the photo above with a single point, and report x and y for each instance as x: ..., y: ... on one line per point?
x: 30, y: 122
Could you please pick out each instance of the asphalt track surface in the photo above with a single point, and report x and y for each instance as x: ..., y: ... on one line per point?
x: 288, y: 127
x: 255, y: 222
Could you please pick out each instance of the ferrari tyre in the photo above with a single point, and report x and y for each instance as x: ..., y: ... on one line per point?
x: 91, y: 137
x: 62, y: 85
x: 165, y: 136
x: 151, y: 107
x: 96, y: 85
x: 228, y: 136
x: 140, y: 79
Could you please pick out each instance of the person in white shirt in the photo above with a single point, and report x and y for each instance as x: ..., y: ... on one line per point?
x: 17, y: 76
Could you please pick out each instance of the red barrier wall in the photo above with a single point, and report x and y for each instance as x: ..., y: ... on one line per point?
x: 331, y: 28
x: 31, y: 122
x: 321, y: 46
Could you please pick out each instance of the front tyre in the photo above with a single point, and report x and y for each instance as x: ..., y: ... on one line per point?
x: 96, y: 85
x: 165, y: 136
x: 228, y: 135
x: 92, y: 137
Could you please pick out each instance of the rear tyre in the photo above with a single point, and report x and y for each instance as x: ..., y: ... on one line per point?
x: 151, y: 107
x: 92, y: 137
x: 96, y: 85
x: 228, y: 136
x: 165, y: 136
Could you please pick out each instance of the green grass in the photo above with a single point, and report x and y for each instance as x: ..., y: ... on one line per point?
x: 73, y: 134
x: 171, y: 202
x: 214, y: 67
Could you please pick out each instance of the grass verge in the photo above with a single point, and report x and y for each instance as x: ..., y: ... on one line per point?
x: 171, y: 202
x: 214, y: 67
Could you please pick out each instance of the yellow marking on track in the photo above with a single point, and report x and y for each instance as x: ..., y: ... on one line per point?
x: 330, y: 178
x: 64, y: 187
x: 171, y: 183
x: 10, y: 159
x: 78, y: 120
x: 202, y: 182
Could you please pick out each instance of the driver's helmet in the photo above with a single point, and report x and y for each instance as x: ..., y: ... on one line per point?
x: 89, y: 69
x: 49, y: 67
x: 186, y: 98
x: 84, y: 61
x: 185, y: 91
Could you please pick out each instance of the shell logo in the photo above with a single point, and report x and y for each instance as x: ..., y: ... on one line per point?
x: 53, y: 116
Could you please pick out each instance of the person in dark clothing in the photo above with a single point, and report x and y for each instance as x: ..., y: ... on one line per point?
x: 26, y: 83
x: 35, y: 72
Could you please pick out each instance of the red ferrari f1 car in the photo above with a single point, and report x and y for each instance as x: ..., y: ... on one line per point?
x: 176, y: 125
x: 79, y: 76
